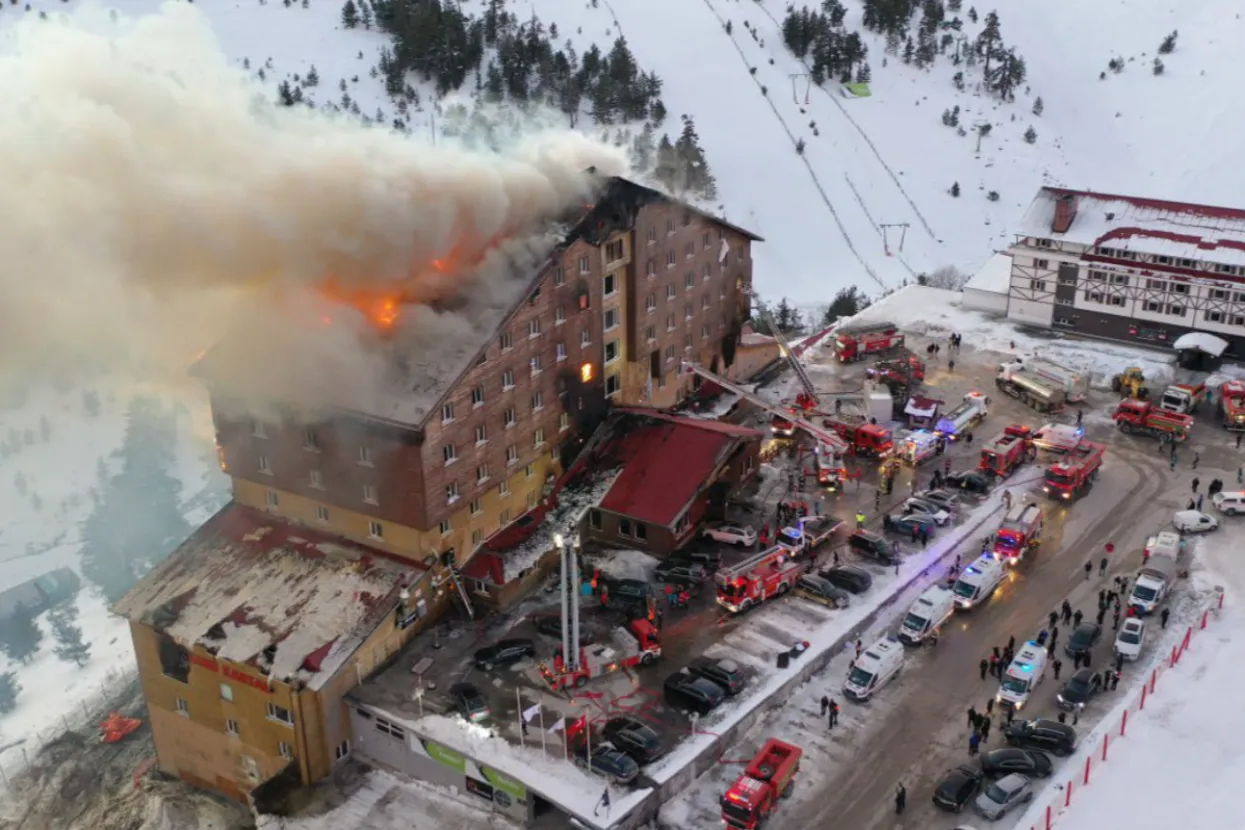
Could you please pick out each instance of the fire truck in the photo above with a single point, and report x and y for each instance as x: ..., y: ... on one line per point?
x: 860, y: 340
x: 767, y: 779
x: 919, y: 447
x: 1075, y: 473
x: 863, y: 437
x: 971, y: 411
x: 1007, y: 451
x: 782, y: 426
x: 1021, y: 530
x: 898, y: 370
x: 1232, y: 405
x: 634, y: 645
x: 1182, y: 398
x: 1144, y: 418
x: 768, y: 574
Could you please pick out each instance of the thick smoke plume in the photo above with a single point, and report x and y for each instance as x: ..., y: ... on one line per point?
x: 153, y: 193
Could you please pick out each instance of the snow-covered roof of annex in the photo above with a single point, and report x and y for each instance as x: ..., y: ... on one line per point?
x: 995, y: 275
x: 1145, y: 226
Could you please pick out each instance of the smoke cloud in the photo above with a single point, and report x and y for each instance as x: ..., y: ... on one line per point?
x: 156, y: 198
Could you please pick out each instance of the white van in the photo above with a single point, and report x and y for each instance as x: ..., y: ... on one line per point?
x: 1027, y: 670
x: 1231, y: 503
x: 978, y: 581
x: 931, y: 610
x: 873, y: 669
x: 1165, y: 543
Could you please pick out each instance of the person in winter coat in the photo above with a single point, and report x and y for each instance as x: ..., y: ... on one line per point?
x: 972, y: 716
x: 1163, y: 617
x: 1057, y: 665
x: 1053, y: 620
x: 1067, y: 611
x: 985, y: 667
x: 1196, y: 482
x: 1102, y: 614
x: 825, y: 705
x: 994, y: 665
x: 901, y: 799
x: 1115, y: 681
x: 834, y: 714
x: 990, y: 706
x: 1011, y: 644
x: 1089, y: 570
x: 1102, y: 567
x: 974, y: 741
x: 1077, y: 617
x: 985, y: 729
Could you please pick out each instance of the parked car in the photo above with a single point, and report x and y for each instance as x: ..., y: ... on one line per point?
x: 1083, y: 639
x: 470, y: 702
x: 1078, y: 689
x: 1129, y: 641
x: 945, y: 498
x: 725, y: 673
x: 711, y: 561
x: 684, y: 690
x: 909, y: 526
x: 626, y: 592
x: 968, y: 481
x: 822, y: 591
x: 548, y: 624
x: 1194, y: 521
x: 917, y: 505
x: 1004, y: 795
x: 849, y: 578
x: 637, y: 739
x: 1031, y: 762
x: 610, y: 762
x: 870, y: 544
x: 957, y: 788
x: 732, y: 534
x: 1048, y: 735
x: 506, y: 653
x: 674, y: 572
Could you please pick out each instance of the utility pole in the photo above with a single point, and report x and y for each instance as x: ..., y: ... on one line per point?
x: 903, y: 233
x: 808, y: 84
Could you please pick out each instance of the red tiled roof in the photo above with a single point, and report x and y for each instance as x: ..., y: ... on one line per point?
x: 666, y: 463
x: 706, y: 424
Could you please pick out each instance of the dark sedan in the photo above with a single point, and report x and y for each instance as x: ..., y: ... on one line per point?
x: 849, y: 578
x: 504, y: 653
x: 1083, y: 639
x: 968, y: 482
x: 725, y: 673
x: 957, y: 788
x: 609, y: 762
x: 681, y: 573
x: 1079, y: 689
x: 470, y: 702
x: 909, y: 526
x: 1031, y: 762
x: 635, y: 738
x: 1048, y: 735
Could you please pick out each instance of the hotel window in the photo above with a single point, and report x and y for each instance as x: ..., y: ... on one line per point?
x: 182, y: 708
x: 508, y: 418
x: 614, y: 251
x: 560, y: 351
x: 689, y: 281
x: 1151, y: 305
x: 369, y: 494
x: 536, y: 364
x: 704, y: 240
x: 1179, y: 288
x: 231, y: 726
x: 1098, y: 276
x: 1093, y: 296
x: 287, y: 752
x: 650, y: 268
x: 311, y: 441
x: 671, y: 291
x: 564, y: 422
x: 704, y: 332
x: 670, y: 259
x: 687, y: 311
x: 481, y: 434
x: 445, y: 527
x: 1163, y: 260
x: 322, y: 513
x: 505, y: 341
x: 447, y: 413
x: 226, y: 692
x: 1218, y: 294
x: 650, y: 303
x: 652, y: 233
x: 1041, y: 263
x: 280, y: 714
x: 1188, y: 263
x: 670, y: 353
x: 611, y: 285
x: 475, y: 506
x: 689, y: 250
x: 532, y: 498
x: 1156, y: 285
x: 611, y: 384
x: 1176, y: 310
x: 538, y: 438
x: 559, y: 316
x: 650, y: 333
x: 706, y: 270
x: 1226, y: 269
x: 512, y: 456
x: 507, y: 379
x: 365, y: 456
x: 477, y: 396
x: 449, y: 453
x: 1214, y: 316
x: 670, y: 326
x: 376, y: 530
x: 317, y: 479
x: 585, y: 338
x: 271, y: 498
x: 704, y: 302
x: 669, y: 227
x: 477, y: 536
x: 1119, y: 279
x: 538, y: 401
x: 503, y: 489
x: 1042, y: 243
x: 1037, y: 285
x: 533, y: 328
x: 481, y: 477
x: 1238, y: 320
x: 341, y: 750
x: 611, y: 351
x: 611, y: 319
x: 559, y: 276
x: 687, y: 342
x: 262, y: 463
x: 1116, y: 301
x: 452, y: 492
x: 259, y: 429
x: 529, y: 471
x: 584, y: 265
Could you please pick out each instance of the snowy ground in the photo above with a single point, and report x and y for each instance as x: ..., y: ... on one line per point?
x: 62, y: 471
x: 1186, y: 737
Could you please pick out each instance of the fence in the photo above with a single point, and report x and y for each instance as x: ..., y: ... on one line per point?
x: 1103, y: 748
x: 83, y: 713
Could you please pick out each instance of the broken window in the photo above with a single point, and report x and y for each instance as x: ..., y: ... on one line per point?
x: 174, y: 661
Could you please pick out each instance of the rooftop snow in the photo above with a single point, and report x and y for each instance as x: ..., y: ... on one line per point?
x: 1202, y: 341
x: 995, y: 275
x: 666, y: 460
x: 243, y: 583
x: 1149, y: 226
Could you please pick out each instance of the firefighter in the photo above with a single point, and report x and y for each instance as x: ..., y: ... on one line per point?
x: 860, y: 520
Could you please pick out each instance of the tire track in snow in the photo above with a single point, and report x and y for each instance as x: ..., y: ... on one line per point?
x: 843, y: 110
x: 851, y: 246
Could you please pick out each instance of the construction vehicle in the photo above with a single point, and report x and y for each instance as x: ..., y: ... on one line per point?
x: 1182, y: 398
x: 767, y: 779
x: 1232, y: 405
x: 971, y: 412
x: 863, y: 437
x: 919, y: 447
x: 1006, y: 452
x: 636, y: 644
x: 1138, y: 417
x: 1020, y: 531
x: 830, y: 447
x: 770, y: 573
x: 1075, y: 473
x: 1075, y: 384
x: 1032, y: 390
x: 1131, y: 383
x: 116, y: 727
x: 857, y: 341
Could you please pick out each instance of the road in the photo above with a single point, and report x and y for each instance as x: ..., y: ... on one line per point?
x: 924, y: 729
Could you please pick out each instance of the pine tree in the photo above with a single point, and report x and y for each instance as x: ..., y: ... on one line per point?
x: 1030, y: 134
x: 990, y: 41
x: 863, y: 75
x: 908, y: 49
x: 313, y: 77
x: 70, y: 646
x: 9, y: 690
x: 1038, y: 106
x: 848, y: 302
x: 20, y: 635
x: 667, y: 167
x: 365, y: 14
x: 1158, y: 67
x: 787, y: 317
x: 285, y: 95
x: 1168, y: 44
x: 350, y: 15
x: 955, y: 189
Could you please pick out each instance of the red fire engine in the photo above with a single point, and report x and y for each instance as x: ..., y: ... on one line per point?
x: 855, y: 342
x: 1144, y: 418
x: 1007, y: 451
x: 1232, y: 405
x: 768, y: 778
x: 637, y: 644
x: 1074, y: 474
x: 898, y: 371
x: 1020, y: 531
x: 863, y: 437
x: 768, y: 574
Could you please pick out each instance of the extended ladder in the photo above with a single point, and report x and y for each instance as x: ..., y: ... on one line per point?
x: 753, y: 562
x: 800, y: 372
x: 456, y: 577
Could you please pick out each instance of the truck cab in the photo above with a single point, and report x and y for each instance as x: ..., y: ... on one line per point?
x: 1182, y: 398
x: 769, y: 777
x: 1020, y: 531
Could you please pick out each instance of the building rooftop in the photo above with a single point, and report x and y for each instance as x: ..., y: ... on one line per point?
x: 665, y: 459
x: 255, y: 590
x: 311, y: 354
x: 995, y: 275
x: 1150, y: 226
